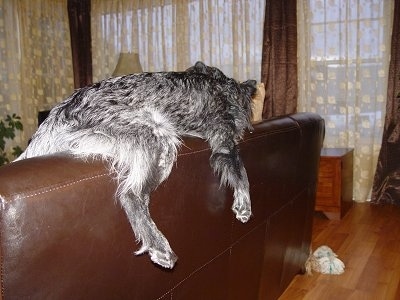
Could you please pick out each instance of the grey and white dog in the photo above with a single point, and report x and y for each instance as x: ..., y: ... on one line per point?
x: 135, y: 123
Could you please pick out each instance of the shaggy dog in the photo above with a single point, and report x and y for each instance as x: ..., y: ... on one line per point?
x: 135, y: 122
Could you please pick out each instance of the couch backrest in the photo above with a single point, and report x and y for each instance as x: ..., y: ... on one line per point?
x: 63, y: 235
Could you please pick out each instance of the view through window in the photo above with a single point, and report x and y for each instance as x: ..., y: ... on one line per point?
x: 343, y: 51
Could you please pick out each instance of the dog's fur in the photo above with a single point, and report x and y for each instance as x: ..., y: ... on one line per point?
x: 135, y: 122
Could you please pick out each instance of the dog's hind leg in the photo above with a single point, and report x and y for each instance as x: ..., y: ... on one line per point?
x: 146, y: 231
x: 226, y: 161
x: 136, y: 206
x: 149, y: 163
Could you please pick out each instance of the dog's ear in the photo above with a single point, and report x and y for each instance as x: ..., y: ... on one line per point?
x: 200, y: 67
x: 249, y: 86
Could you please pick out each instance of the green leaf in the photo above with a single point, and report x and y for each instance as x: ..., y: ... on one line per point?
x: 8, y: 128
x: 3, y: 159
x: 17, y: 151
x: 19, y: 126
x: 2, y: 128
x: 9, y: 133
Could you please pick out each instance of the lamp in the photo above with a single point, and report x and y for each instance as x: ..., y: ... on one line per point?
x: 128, y: 63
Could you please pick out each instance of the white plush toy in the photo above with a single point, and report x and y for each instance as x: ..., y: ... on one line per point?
x: 325, y: 261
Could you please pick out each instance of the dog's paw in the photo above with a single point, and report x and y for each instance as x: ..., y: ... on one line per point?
x: 242, y: 205
x: 165, y: 259
x: 243, y: 215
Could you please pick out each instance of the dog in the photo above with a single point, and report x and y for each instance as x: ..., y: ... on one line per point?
x: 135, y: 123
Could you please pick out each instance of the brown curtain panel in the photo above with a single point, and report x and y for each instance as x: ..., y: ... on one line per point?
x: 279, y: 58
x: 81, y: 42
x: 386, y: 186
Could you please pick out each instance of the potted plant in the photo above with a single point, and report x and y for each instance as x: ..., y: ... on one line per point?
x: 8, y: 128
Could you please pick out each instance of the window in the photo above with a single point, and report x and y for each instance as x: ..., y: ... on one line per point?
x: 343, y: 64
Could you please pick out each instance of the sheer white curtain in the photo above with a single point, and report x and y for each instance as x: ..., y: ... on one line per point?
x: 35, y: 59
x: 343, y: 56
x: 171, y: 35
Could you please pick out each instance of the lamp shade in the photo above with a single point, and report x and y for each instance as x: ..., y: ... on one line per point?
x: 128, y: 63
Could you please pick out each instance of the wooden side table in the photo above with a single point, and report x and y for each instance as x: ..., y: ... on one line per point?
x: 335, y: 182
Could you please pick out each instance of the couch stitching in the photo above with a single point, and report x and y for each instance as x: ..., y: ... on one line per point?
x: 194, y: 272
x: 57, y: 187
x: 213, y: 259
x: 258, y: 135
x: 251, y: 136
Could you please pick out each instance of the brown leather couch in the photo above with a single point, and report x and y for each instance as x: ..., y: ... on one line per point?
x: 63, y: 236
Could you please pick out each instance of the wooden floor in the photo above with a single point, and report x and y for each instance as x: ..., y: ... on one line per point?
x: 367, y: 240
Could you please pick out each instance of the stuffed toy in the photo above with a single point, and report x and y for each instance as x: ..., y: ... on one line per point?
x: 324, y: 261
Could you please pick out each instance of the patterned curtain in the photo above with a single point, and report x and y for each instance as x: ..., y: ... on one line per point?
x: 386, y: 188
x: 35, y: 56
x: 279, y: 58
x: 171, y: 35
x: 343, y: 70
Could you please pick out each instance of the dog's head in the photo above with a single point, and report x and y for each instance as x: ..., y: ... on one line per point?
x: 238, y: 94
x: 249, y: 88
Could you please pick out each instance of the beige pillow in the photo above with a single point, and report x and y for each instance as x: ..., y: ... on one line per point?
x: 257, y: 103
